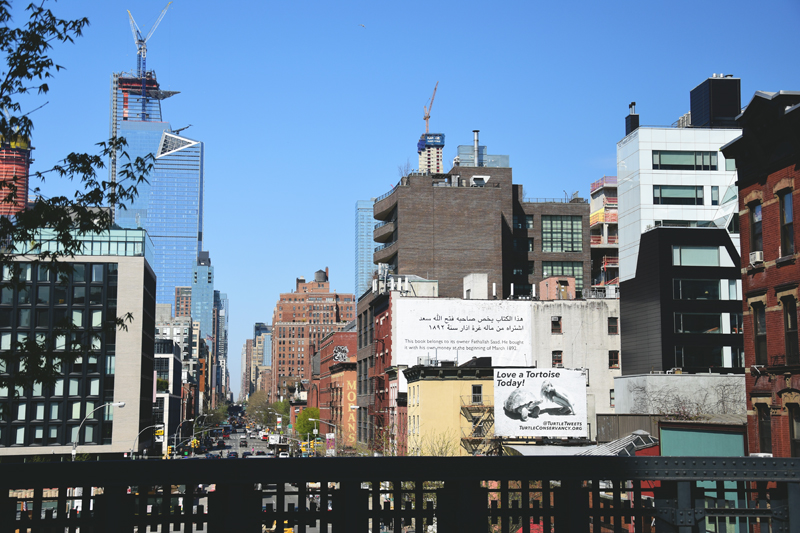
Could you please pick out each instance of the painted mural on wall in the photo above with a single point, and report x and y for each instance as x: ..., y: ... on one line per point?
x: 531, y: 402
x: 458, y: 330
x: 340, y: 354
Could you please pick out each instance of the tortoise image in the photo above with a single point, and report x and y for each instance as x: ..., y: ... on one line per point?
x: 522, y: 403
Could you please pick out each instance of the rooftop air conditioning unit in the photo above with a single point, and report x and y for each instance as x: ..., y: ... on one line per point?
x: 756, y: 258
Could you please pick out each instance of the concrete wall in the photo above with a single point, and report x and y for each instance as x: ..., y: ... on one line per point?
x: 680, y: 394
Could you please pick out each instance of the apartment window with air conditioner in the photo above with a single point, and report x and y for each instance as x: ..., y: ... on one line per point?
x: 756, y: 239
x: 558, y: 359
x: 555, y: 325
x: 787, y: 229
x: 613, y: 359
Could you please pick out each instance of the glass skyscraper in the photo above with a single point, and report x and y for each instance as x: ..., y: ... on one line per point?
x: 170, y: 206
x: 364, y: 246
x: 203, y: 294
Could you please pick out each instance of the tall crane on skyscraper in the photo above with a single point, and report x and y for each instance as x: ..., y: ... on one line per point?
x: 141, y: 51
x: 427, y: 109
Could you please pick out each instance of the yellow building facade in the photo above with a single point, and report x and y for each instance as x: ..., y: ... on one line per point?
x: 450, y: 410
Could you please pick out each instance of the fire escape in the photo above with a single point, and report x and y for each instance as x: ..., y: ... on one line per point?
x: 477, y: 437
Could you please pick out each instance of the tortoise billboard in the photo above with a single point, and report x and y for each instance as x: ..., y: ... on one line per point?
x: 533, y: 402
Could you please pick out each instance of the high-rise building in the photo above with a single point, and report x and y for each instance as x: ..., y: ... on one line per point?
x: 170, y: 205
x: 183, y: 301
x: 110, y: 364
x: 678, y: 276
x: 203, y: 294
x: 475, y: 220
x: 299, y: 322
x: 604, y: 234
x: 15, y: 162
x: 676, y: 176
x: 365, y: 225
x: 429, y: 149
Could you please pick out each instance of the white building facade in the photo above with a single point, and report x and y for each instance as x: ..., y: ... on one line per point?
x: 673, y: 177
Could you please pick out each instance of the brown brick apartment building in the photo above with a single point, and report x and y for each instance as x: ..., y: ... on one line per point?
x: 300, y: 320
x: 768, y: 162
x: 475, y: 220
x: 337, y: 386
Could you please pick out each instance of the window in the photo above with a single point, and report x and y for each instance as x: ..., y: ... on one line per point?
x: 530, y: 268
x: 696, y: 289
x: 564, y: 268
x: 528, y: 221
x: 613, y: 325
x: 517, y: 271
x: 760, y: 333
x: 530, y: 245
x: 698, y: 323
x: 794, y: 428
x: 787, y: 229
x: 714, y: 195
x: 695, y: 256
x: 764, y: 428
x: 613, y: 359
x: 517, y: 222
x: 790, y: 330
x: 756, y: 241
x: 611, y: 397
x: 558, y: 359
x: 674, y: 160
x: 477, y: 394
x: 562, y: 233
x: 698, y: 357
x: 677, y: 195
x: 555, y: 324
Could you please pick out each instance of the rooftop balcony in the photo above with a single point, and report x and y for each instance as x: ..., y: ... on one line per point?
x: 383, y: 231
x: 384, y: 252
x: 605, y: 181
x: 546, y: 494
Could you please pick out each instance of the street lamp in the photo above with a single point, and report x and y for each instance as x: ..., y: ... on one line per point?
x: 142, y: 431
x: 78, y: 434
x: 177, y: 431
x: 335, y: 430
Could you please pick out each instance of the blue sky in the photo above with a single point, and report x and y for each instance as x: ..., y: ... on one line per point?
x: 303, y: 110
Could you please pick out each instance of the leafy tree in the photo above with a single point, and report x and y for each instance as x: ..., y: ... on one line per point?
x: 25, y: 69
x: 303, y: 425
x: 216, y: 416
x: 282, y: 407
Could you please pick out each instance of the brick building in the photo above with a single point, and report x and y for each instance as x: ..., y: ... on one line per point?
x: 336, y: 397
x: 300, y: 320
x: 473, y: 219
x: 768, y: 162
x: 183, y: 301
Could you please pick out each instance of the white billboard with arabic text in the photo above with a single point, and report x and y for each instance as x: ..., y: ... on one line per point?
x: 458, y: 330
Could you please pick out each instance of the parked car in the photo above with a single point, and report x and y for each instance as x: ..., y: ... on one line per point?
x: 283, y: 454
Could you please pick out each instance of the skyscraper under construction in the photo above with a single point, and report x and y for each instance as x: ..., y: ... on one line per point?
x: 170, y: 206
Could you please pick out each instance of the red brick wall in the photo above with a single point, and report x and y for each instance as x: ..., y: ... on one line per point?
x: 777, y: 384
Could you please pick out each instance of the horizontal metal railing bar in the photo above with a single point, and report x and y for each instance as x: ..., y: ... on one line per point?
x: 241, y: 471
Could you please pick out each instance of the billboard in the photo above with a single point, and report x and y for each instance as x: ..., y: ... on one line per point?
x: 532, y: 402
x: 458, y: 330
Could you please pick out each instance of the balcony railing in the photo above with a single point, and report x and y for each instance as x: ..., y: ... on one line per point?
x: 381, y: 197
x: 351, y: 494
x: 602, y: 182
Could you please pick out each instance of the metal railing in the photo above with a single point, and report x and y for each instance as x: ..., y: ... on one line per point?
x: 381, y: 224
x: 383, y: 246
x: 458, y: 494
x: 555, y: 201
x: 381, y: 197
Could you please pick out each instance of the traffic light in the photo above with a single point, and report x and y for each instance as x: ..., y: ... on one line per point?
x: 169, y: 450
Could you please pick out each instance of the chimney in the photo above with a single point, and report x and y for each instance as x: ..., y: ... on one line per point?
x: 475, y: 146
x: 632, y: 120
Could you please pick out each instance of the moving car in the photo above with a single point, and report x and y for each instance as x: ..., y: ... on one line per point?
x: 233, y: 455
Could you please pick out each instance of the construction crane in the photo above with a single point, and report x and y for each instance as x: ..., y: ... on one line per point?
x: 427, y: 109
x: 141, y: 51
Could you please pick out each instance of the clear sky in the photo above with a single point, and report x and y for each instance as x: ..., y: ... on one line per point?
x: 307, y: 107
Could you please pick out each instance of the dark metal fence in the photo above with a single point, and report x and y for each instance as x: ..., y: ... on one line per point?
x: 401, y: 494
